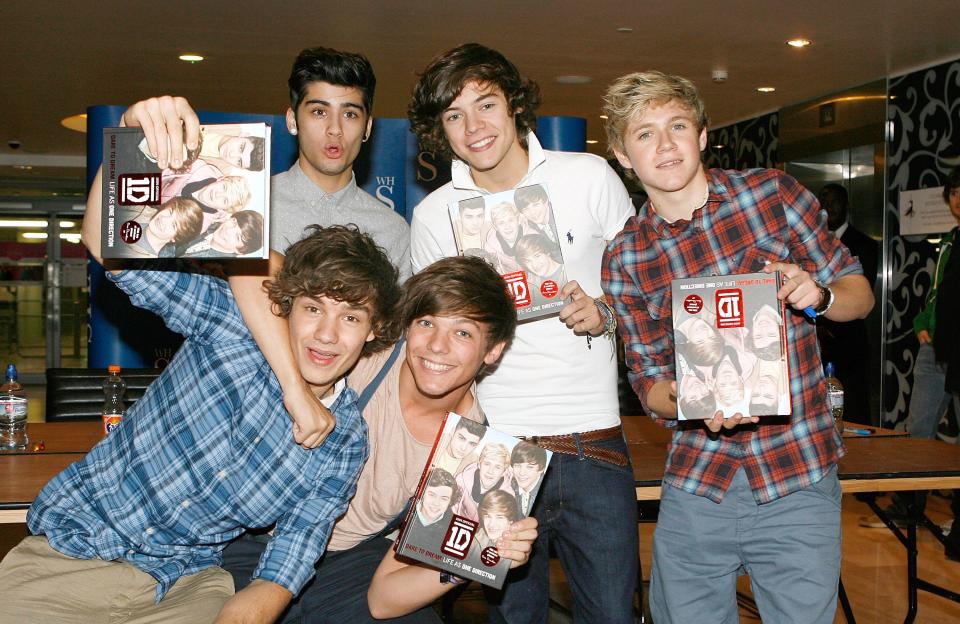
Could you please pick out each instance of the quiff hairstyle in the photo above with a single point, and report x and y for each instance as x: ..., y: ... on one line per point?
x: 630, y: 96
x: 446, y: 76
x: 461, y: 286
x: 471, y: 426
x: 439, y: 477
x: 343, y: 69
x: 341, y: 263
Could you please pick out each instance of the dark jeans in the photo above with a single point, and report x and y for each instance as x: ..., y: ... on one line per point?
x: 587, y: 510
x: 338, y: 592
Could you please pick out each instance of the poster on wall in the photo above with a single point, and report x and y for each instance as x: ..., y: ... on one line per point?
x: 924, y: 212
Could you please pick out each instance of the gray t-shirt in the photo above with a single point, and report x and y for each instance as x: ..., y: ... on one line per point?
x: 296, y: 202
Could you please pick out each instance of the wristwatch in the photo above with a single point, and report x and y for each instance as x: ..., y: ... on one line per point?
x: 610, y: 320
x: 826, y: 299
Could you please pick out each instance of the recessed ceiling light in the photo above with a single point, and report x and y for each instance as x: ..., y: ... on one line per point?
x: 799, y: 42
x: 625, y: 29
x: 592, y: 141
x: 719, y: 146
x: 766, y: 89
x: 603, y: 117
x: 191, y: 58
x: 75, y: 122
x: 573, y: 79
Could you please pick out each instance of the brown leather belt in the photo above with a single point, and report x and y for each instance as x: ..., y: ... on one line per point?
x: 567, y: 444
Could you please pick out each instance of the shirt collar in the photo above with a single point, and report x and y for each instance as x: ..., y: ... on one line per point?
x: 460, y: 171
x: 337, y: 389
x: 840, y: 230
x: 717, y: 193
x: 305, y: 188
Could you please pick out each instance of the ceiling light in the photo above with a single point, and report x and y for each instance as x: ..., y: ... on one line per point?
x: 592, y: 141
x: 799, y: 43
x: 75, y: 122
x: 573, y: 79
x: 766, y: 89
x: 605, y: 117
x: 719, y: 146
x: 624, y: 29
x: 191, y: 58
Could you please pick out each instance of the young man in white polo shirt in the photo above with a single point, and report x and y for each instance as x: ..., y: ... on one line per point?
x: 557, y: 384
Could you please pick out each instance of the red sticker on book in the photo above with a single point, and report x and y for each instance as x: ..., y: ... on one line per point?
x: 549, y: 289
x: 693, y: 304
x: 130, y: 232
x: 490, y: 556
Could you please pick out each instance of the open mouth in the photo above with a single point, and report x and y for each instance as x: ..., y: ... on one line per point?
x: 436, y: 367
x: 333, y: 151
x: 322, y: 358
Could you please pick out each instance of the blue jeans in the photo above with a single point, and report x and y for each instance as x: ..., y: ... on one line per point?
x: 928, y: 399
x: 790, y: 547
x: 587, y: 509
x: 338, y: 592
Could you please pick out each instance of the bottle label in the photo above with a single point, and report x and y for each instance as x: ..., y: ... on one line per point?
x: 13, y: 407
x: 835, y: 399
x: 111, y: 422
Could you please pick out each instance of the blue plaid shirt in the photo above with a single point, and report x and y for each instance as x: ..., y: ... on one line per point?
x: 206, y: 452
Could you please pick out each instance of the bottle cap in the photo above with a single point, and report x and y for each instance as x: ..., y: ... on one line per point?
x: 113, y: 368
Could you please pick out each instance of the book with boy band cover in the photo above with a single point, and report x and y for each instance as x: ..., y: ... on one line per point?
x: 516, y: 232
x: 216, y: 205
x: 730, y: 346
x: 461, y: 508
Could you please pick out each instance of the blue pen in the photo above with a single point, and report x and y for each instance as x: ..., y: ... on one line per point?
x: 857, y: 431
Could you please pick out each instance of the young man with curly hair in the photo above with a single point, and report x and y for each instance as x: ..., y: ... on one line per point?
x: 558, y: 381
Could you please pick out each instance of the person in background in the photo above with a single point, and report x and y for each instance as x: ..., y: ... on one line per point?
x: 846, y: 344
x: 929, y: 399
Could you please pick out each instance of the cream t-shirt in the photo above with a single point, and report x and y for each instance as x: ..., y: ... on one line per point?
x: 396, y: 461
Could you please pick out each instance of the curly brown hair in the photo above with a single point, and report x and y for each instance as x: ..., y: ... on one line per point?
x: 446, y: 76
x: 341, y: 263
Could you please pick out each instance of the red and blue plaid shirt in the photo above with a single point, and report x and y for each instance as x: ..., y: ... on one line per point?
x: 751, y: 217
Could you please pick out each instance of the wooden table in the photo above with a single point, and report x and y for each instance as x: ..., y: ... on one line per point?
x: 24, y: 473
x: 883, y: 461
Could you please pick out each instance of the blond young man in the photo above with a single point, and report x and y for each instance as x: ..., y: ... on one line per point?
x: 759, y: 497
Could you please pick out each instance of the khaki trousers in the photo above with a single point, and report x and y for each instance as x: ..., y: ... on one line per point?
x: 38, y: 584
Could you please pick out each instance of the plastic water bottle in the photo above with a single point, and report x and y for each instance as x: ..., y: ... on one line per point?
x: 834, y: 397
x: 113, y: 389
x: 13, y: 413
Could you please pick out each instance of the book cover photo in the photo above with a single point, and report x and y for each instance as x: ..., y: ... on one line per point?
x: 730, y: 346
x: 516, y: 232
x: 217, y: 205
x: 476, y: 483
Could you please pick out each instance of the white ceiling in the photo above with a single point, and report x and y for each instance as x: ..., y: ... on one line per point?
x: 60, y: 57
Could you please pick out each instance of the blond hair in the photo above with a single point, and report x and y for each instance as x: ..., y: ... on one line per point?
x: 630, y: 96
